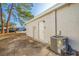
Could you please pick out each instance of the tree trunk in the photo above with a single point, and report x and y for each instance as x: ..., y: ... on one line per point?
x: 8, y: 20
x: 2, y: 21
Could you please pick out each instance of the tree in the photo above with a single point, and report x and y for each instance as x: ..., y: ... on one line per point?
x: 8, y: 20
x: 20, y: 11
x: 23, y: 12
x: 17, y: 11
x: 2, y: 21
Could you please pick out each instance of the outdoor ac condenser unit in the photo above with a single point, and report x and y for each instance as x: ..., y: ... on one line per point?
x: 58, y: 43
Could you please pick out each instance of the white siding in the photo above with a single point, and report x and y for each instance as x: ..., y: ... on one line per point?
x: 50, y: 25
x: 32, y: 29
x: 68, y: 23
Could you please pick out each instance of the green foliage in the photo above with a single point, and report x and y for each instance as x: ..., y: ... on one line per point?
x: 20, y: 11
x: 23, y: 12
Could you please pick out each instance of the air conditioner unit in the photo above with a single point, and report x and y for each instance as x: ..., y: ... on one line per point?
x: 58, y: 43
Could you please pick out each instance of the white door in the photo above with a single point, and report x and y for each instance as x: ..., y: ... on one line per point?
x: 41, y: 31
x: 33, y: 32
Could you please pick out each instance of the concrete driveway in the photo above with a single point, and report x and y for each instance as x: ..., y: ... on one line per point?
x: 19, y: 44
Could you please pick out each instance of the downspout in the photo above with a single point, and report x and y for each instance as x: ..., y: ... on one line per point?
x: 55, y: 22
x: 38, y: 30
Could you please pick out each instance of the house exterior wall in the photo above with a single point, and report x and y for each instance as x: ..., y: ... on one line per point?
x: 32, y: 29
x: 67, y: 23
x: 49, y: 27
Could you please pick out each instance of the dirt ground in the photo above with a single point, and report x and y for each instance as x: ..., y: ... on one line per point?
x: 19, y: 44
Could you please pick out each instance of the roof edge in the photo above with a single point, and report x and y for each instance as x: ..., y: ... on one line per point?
x: 56, y: 6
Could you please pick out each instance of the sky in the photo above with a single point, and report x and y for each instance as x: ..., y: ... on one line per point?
x: 40, y: 7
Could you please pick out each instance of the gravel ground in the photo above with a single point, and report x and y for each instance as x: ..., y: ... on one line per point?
x: 19, y: 44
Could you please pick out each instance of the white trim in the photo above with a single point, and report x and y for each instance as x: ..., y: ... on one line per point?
x: 47, y: 11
